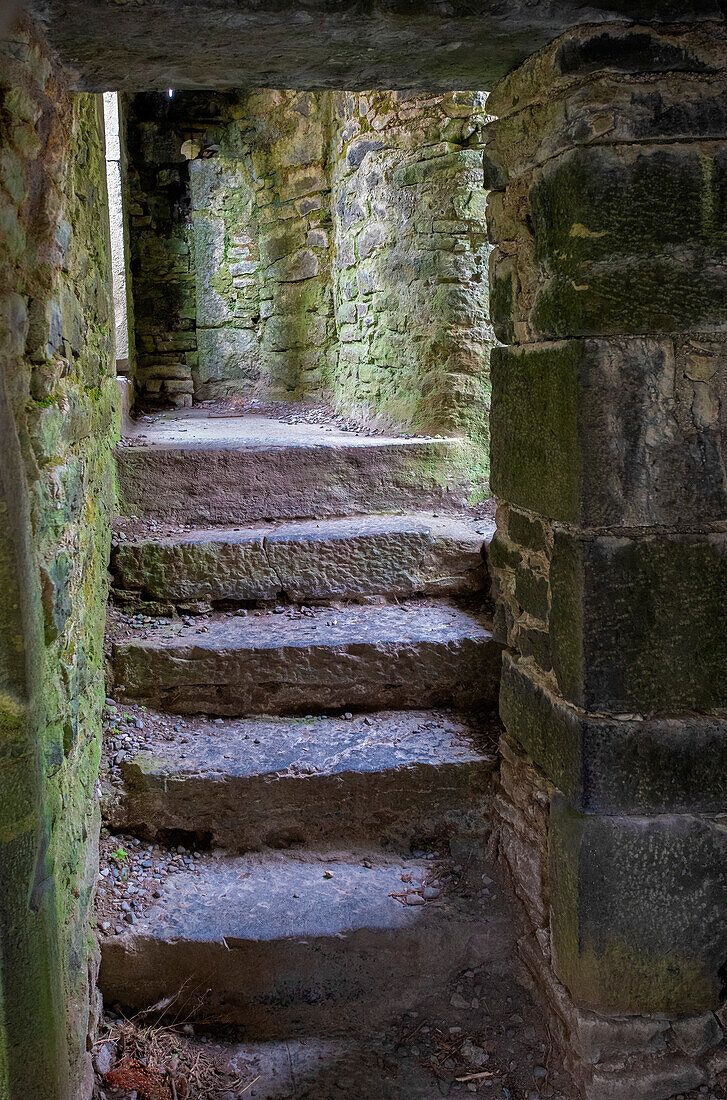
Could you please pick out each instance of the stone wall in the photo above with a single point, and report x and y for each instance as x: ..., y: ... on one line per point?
x: 261, y: 216
x: 610, y: 1056
x: 160, y: 242
x: 608, y: 173
x: 314, y: 245
x: 410, y: 259
x: 57, y: 421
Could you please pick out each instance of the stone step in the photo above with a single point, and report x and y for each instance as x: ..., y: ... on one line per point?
x: 310, y: 943
x: 412, y: 655
x: 304, y: 561
x: 190, y: 468
x: 391, y: 778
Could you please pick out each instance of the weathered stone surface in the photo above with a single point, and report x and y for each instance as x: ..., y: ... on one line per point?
x: 609, y: 765
x: 669, y: 1077
x: 410, y: 261
x: 58, y: 420
x: 638, y: 909
x: 248, y: 469
x: 285, y: 950
x: 337, y: 246
x: 418, y: 46
x: 607, y: 161
x: 520, y: 818
x: 637, y: 624
x: 230, y: 354
x: 610, y: 432
x: 608, y: 109
x: 395, y: 556
x: 362, y: 656
x: 620, y: 49
x: 388, y: 778
x: 609, y: 1055
x: 612, y: 257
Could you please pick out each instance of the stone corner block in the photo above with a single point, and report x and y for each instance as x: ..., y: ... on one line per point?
x: 637, y: 910
x: 572, y: 420
x: 610, y: 765
x: 637, y: 623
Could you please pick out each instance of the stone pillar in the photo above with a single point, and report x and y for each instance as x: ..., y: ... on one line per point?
x: 608, y: 165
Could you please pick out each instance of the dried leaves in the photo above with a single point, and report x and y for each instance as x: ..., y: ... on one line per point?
x: 151, y: 1084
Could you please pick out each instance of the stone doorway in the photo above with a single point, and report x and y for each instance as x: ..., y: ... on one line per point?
x: 605, y: 168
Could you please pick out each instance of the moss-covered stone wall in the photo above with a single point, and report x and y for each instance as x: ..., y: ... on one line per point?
x: 164, y: 337
x: 410, y: 259
x: 261, y: 221
x: 314, y: 245
x: 607, y: 168
x: 57, y: 423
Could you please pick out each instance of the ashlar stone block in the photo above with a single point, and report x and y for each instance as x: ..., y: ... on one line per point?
x: 637, y: 624
x: 628, y: 239
x: 619, y: 432
x: 637, y: 909
x: 610, y: 765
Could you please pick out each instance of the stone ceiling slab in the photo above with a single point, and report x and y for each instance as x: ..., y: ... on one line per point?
x: 315, y: 44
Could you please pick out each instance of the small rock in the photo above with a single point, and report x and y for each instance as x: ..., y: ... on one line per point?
x: 415, y: 899
x: 104, y: 1057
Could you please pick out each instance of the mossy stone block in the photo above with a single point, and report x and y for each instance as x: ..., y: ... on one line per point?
x: 637, y: 910
x: 638, y: 624
x: 531, y: 592
x: 526, y: 530
x: 630, y: 240
x: 598, y: 433
x: 610, y: 765
x: 595, y: 204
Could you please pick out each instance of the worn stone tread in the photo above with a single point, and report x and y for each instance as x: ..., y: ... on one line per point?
x: 285, y: 944
x: 249, y: 468
x: 306, y: 560
x: 389, y: 777
x: 413, y: 654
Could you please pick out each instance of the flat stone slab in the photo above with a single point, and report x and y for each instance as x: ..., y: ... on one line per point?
x: 391, y: 778
x: 305, y: 560
x: 312, y: 943
x: 190, y: 467
x: 412, y: 655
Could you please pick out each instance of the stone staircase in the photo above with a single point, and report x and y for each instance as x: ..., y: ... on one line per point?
x: 300, y: 746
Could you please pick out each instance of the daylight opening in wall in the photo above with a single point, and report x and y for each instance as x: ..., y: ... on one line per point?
x: 116, y: 219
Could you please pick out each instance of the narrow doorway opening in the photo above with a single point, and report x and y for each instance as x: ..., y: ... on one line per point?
x: 118, y: 229
x: 301, y: 731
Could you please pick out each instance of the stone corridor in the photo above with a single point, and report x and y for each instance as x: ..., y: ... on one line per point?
x: 363, y: 723
x: 318, y: 875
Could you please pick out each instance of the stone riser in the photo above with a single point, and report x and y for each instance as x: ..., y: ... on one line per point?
x: 368, y: 657
x: 304, y: 562
x: 394, y: 807
x: 286, y: 945
x: 276, y: 990
x: 221, y: 485
x: 317, y: 680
